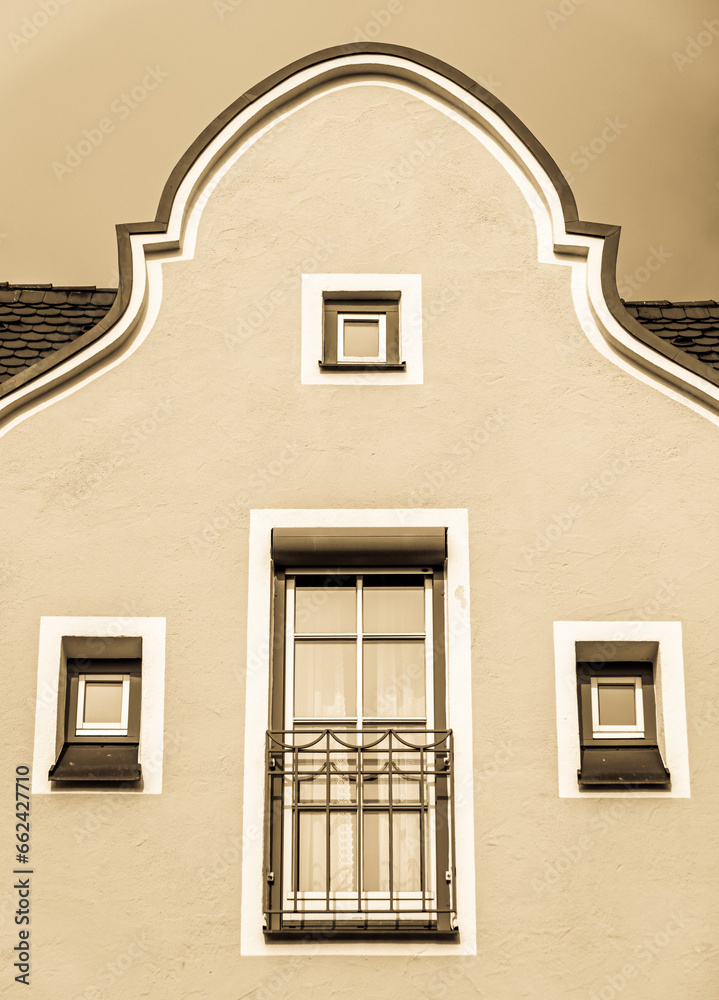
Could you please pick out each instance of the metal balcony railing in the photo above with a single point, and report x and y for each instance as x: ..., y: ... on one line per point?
x: 359, y: 830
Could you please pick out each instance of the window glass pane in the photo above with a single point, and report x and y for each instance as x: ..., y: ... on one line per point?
x: 394, y: 679
x: 312, y: 777
x: 312, y: 853
x: 103, y: 701
x: 617, y: 705
x: 375, y: 786
x: 406, y: 777
x: 361, y: 338
x: 392, y: 609
x: 406, y: 852
x: 342, y: 852
x: 325, y: 680
x: 325, y: 607
x: 375, y: 852
x: 343, y: 780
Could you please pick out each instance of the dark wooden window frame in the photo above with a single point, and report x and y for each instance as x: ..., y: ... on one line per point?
x: 358, y: 550
x: 94, y: 757
x: 610, y: 760
x: 387, y: 303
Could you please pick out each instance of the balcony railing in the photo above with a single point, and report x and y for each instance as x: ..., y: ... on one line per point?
x: 359, y: 834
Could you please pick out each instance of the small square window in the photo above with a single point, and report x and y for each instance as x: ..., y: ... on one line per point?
x: 617, y: 725
x: 361, y: 337
x: 621, y: 714
x: 361, y: 332
x: 103, y: 701
x: 101, y: 729
x: 617, y: 707
x: 100, y: 706
x: 356, y: 304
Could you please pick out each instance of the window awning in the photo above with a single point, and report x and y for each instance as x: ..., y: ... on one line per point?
x: 347, y: 547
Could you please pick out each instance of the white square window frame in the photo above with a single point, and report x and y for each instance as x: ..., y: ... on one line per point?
x: 380, y: 357
x: 622, y: 641
x: 459, y: 705
x: 57, y: 635
x: 83, y: 728
x: 315, y: 287
x: 606, y: 732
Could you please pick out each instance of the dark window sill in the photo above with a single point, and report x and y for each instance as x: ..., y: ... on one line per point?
x: 109, y: 762
x: 372, y: 933
x: 399, y: 366
x: 622, y: 766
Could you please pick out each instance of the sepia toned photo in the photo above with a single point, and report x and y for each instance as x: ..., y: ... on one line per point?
x: 359, y: 416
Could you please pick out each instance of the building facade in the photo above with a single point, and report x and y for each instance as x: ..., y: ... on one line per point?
x: 358, y: 576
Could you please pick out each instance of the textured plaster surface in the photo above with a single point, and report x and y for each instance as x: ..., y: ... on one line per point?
x: 590, y: 496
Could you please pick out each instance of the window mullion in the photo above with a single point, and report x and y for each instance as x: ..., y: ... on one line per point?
x: 360, y: 652
x: 360, y: 741
x: 290, y: 658
x: 428, y: 652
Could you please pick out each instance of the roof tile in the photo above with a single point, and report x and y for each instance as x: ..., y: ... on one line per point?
x: 79, y: 298
x: 32, y: 337
x: 36, y: 319
x: 32, y: 295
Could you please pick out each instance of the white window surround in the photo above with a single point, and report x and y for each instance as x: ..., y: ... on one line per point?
x: 459, y: 690
x: 660, y: 642
x: 314, y: 286
x: 61, y: 637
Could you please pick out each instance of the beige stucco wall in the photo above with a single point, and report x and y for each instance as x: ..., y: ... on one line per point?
x: 131, y: 497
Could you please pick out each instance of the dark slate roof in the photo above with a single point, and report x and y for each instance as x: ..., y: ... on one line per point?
x: 693, y: 327
x: 36, y: 320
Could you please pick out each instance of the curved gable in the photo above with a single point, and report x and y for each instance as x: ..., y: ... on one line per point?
x: 588, y: 249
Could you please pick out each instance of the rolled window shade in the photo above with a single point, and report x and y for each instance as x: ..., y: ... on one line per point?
x: 348, y: 547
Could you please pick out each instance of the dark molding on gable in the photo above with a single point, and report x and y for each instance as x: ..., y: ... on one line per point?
x: 609, y: 233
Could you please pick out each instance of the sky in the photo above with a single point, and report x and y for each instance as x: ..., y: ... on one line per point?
x: 100, y: 100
